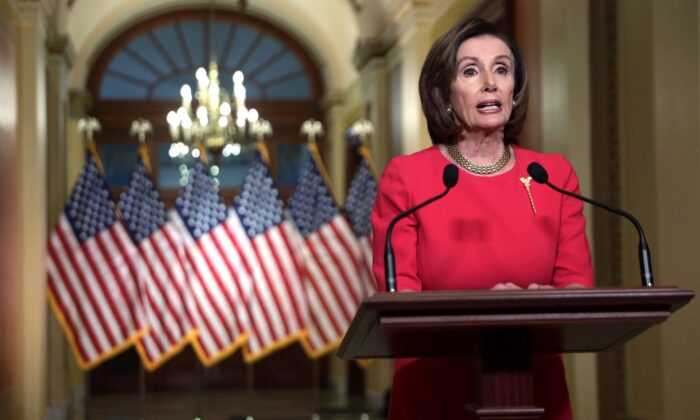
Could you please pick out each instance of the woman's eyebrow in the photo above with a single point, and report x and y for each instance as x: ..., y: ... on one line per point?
x: 497, y: 58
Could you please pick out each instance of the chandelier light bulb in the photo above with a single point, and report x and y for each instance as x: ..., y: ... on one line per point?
x: 201, y: 112
x: 238, y: 77
x: 225, y: 109
x: 173, y: 119
x: 252, y: 115
x: 186, y: 93
x: 214, y: 90
x: 211, y: 123
x: 239, y: 92
x: 181, y: 113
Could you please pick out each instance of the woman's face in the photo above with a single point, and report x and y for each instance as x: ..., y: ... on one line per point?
x: 482, y: 90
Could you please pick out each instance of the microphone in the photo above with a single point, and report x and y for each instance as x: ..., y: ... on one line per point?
x: 539, y: 174
x: 450, y: 175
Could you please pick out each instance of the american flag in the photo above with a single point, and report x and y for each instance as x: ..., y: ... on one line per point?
x: 331, y: 257
x: 220, y: 279
x: 91, y: 268
x: 278, y: 307
x: 164, y: 290
x: 358, y: 207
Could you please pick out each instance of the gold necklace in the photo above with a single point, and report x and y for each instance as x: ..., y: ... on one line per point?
x: 479, y: 169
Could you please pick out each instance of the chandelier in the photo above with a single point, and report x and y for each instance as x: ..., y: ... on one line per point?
x: 213, y: 120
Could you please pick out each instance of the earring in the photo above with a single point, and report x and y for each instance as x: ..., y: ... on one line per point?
x: 449, y: 108
x: 514, y: 102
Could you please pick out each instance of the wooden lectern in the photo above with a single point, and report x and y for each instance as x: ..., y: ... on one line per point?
x: 487, y: 324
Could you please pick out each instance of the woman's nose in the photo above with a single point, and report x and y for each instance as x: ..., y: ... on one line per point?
x: 489, y: 83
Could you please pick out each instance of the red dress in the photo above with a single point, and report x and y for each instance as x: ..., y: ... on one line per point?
x: 482, y: 233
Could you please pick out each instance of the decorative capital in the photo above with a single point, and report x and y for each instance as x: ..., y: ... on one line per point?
x: 61, y: 45
x: 369, y: 48
x: 333, y: 98
x: 80, y: 102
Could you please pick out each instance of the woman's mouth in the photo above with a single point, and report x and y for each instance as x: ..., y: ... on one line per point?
x: 489, y: 106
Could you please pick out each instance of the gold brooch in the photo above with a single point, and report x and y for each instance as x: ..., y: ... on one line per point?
x: 526, y: 184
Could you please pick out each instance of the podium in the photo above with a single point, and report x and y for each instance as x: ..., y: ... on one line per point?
x: 488, y: 325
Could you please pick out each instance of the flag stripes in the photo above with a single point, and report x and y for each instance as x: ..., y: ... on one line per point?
x: 247, y: 277
x: 220, y: 281
x: 278, y: 304
x: 92, y: 289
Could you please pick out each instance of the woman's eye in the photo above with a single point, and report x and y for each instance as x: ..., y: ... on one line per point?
x: 502, y: 70
x: 469, y: 71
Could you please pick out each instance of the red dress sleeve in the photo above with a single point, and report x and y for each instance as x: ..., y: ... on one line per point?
x: 392, y: 199
x: 573, y: 259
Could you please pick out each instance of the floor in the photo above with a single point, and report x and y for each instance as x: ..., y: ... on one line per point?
x: 244, y: 405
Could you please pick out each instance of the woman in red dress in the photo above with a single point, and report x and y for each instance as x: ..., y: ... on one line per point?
x: 494, y: 230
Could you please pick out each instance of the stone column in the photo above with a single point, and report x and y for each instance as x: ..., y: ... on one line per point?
x: 372, y: 64
x: 676, y: 135
x: 371, y: 61
x: 566, y: 129
x: 332, y: 103
x: 32, y: 201
x: 59, y: 60
x: 414, y: 32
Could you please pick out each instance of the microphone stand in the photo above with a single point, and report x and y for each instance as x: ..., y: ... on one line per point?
x: 389, y: 262
x: 644, y: 252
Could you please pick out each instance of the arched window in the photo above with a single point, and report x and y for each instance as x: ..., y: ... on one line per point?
x: 140, y: 72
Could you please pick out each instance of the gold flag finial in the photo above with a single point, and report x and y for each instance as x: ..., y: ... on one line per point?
x: 313, y: 129
x: 358, y: 136
x: 88, y: 126
x: 140, y: 129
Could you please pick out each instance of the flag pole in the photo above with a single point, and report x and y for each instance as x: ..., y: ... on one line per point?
x: 250, y: 387
x: 142, y: 392
x: 87, y: 395
x: 315, y: 390
x: 198, y: 390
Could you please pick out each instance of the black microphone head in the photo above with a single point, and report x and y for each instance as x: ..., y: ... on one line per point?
x: 450, y: 175
x: 537, y: 172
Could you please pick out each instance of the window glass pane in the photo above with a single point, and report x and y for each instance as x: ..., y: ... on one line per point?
x: 233, y: 169
x: 291, y: 158
x: 229, y: 171
x: 155, y: 64
x: 172, y: 172
x: 119, y: 160
x: 116, y: 88
x: 193, y: 32
x: 284, y: 65
x: 267, y: 48
x: 128, y: 66
x: 296, y: 88
x: 168, y: 39
x: 243, y: 41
